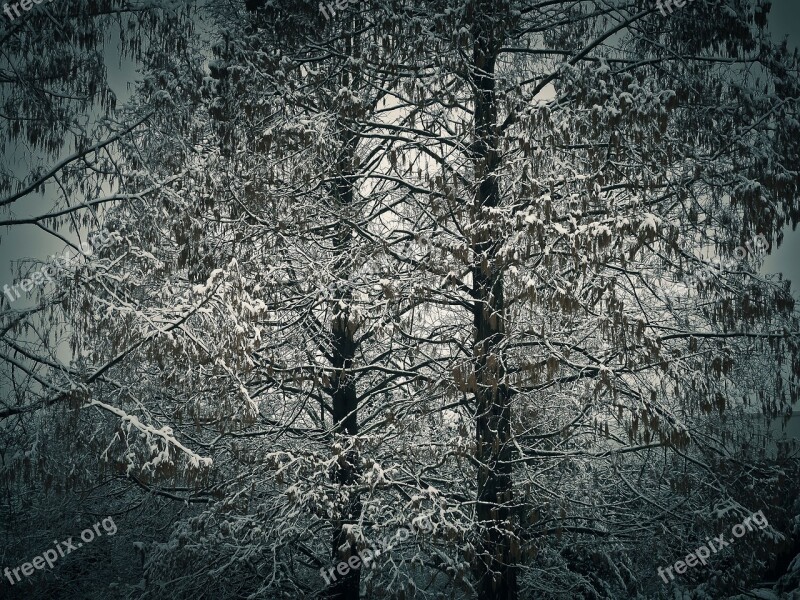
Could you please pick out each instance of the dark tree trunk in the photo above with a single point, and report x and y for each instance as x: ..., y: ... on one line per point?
x: 345, y: 409
x: 494, y: 564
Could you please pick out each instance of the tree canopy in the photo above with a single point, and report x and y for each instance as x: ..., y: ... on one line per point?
x: 397, y: 264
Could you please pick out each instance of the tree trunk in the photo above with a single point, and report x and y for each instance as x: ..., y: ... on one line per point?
x: 344, y: 402
x: 494, y: 564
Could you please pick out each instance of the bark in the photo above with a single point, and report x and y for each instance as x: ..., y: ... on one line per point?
x: 494, y: 564
x: 345, y: 407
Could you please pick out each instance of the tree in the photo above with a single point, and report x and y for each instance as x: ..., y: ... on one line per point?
x: 271, y: 258
x: 61, y: 134
x: 602, y: 144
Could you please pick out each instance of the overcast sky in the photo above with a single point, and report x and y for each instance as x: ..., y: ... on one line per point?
x: 785, y: 22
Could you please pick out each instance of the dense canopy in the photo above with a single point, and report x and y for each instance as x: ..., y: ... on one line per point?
x: 430, y: 299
